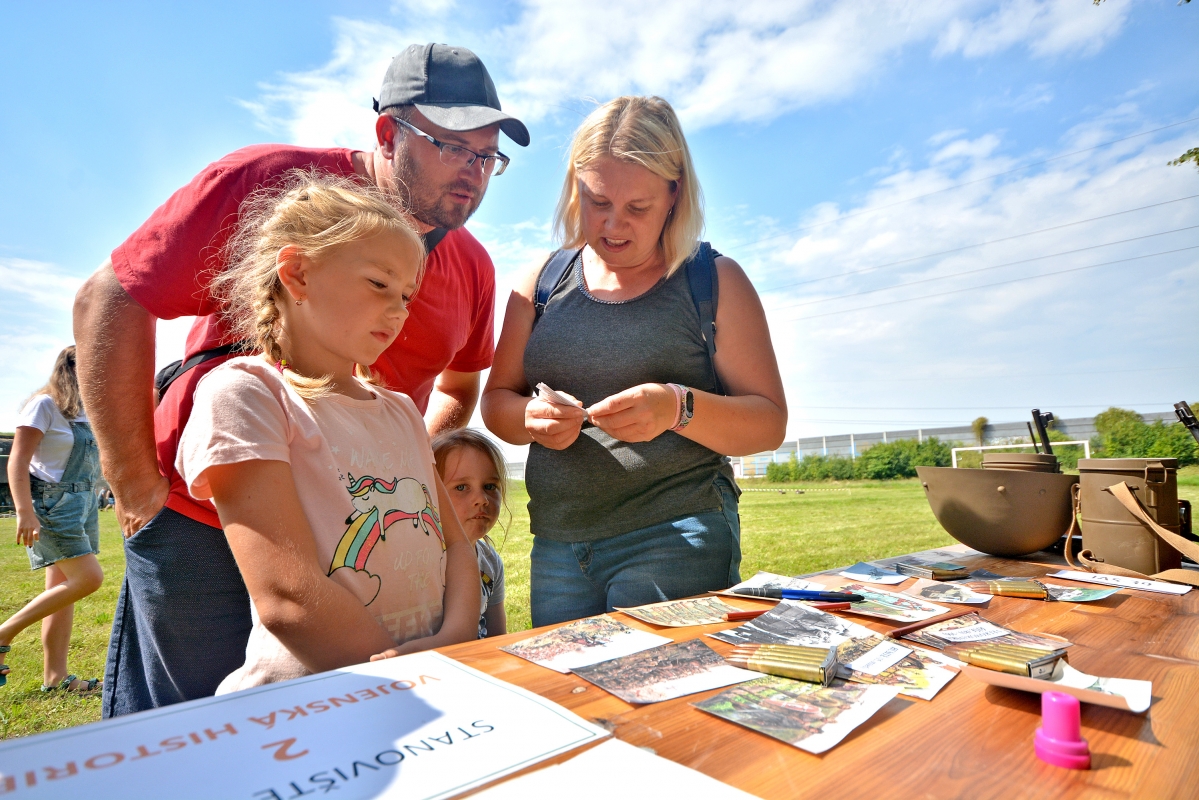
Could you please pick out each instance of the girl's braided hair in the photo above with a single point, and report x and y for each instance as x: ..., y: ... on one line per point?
x: 316, y: 213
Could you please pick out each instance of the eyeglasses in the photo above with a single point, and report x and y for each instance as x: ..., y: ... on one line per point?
x: 455, y: 155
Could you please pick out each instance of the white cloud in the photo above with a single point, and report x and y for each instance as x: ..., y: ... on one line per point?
x: 331, y: 105
x: 36, y: 309
x: 39, y: 283
x: 716, y: 62
x: 914, y: 353
x: 1046, y: 27
x: 428, y: 7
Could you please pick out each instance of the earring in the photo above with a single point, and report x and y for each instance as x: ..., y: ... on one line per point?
x: 299, y: 302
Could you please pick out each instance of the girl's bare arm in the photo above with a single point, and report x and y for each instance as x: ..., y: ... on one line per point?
x: 321, y: 622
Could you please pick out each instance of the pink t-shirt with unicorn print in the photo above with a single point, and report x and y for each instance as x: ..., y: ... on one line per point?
x: 366, y: 480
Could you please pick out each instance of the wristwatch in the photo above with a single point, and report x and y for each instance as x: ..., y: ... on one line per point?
x: 686, y: 409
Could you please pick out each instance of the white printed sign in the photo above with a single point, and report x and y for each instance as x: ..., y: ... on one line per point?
x: 419, y: 726
x: 979, y: 632
x: 1120, y: 580
x: 879, y: 658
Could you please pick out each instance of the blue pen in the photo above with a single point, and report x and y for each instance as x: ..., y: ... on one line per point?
x: 801, y: 594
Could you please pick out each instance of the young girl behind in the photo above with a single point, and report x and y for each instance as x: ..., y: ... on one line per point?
x: 324, y: 481
x: 472, y: 468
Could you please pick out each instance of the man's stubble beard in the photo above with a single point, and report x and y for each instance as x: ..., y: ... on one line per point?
x: 429, y: 204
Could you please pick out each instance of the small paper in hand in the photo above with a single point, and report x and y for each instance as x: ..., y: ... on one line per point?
x: 557, y: 398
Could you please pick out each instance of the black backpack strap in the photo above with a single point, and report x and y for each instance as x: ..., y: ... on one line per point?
x: 433, y: 238
x: 705, y: 293
x: 171, y: 372
x: 550, y: 277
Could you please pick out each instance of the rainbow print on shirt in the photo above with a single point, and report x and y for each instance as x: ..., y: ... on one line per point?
x: 366, y: 527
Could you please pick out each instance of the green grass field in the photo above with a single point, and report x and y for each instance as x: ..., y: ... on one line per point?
x: 831, y: 524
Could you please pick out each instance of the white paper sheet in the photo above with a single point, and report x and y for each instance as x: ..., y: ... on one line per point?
x: 884, y: 655
x: 628, y: 772
x: 1123, y: 693
x: 918, y: 673
x: 1120, y: 580
x: 419, y: 726
x: 979, y: 632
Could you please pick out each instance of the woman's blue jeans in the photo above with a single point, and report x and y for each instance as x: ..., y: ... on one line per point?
x: 673, y: 559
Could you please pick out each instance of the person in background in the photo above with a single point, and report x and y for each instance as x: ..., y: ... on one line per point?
x: 324, y: 480
x: 52, y: 472
x: 640, y: 505
x: 183, y: 615
x: 472, y: 468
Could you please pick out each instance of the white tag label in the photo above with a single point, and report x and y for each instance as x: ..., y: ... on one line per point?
x: 879, y: 657
x: 978, y: 632
x: 1120, y: 580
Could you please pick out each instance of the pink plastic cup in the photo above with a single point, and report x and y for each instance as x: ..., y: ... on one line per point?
x: 1059, y: 739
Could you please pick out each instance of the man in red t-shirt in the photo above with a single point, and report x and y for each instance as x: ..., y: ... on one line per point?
x: 183, y: 615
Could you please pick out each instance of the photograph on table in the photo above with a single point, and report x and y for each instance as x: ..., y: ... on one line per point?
x: 1124, y: 693
x: 916, y: 674
x: 1076, y: 594
x: 987, y: 575
x: 582, y: 642
x: 973, y: 628
x: 890, y: 606
x: 770, y: 580
x: 869, y: 573
x: 805, y: 715
x: 682, y: 613
x: 664, y: 673
x: 940, y: 592
x: 953, y: 556
x: 792, y: 622
x: 932, y: 570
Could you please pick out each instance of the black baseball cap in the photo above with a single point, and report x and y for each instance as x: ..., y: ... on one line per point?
x: 450, y: 86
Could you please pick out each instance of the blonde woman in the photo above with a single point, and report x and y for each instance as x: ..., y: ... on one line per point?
x: 632, y: 499
x: 52, y: 472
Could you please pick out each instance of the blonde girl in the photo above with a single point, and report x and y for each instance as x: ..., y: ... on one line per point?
x: 472, y: 468
x: 324, y: 481
x: 52, y: 472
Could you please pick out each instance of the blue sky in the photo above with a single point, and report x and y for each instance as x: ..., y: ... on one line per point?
x: 831, y: 138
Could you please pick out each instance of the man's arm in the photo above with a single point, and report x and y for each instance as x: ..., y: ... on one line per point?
x: 452, y: 401
x: 114, y: 337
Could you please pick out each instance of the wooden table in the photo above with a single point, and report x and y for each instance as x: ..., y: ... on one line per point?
x: 972, y: 741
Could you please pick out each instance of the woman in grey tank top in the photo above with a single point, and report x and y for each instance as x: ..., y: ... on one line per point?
x: 632, y: 499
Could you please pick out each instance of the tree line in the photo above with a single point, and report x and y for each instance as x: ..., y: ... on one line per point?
x: 1120, y: 433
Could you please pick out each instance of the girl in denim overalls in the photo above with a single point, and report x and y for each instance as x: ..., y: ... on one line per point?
x: 52, y: 473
